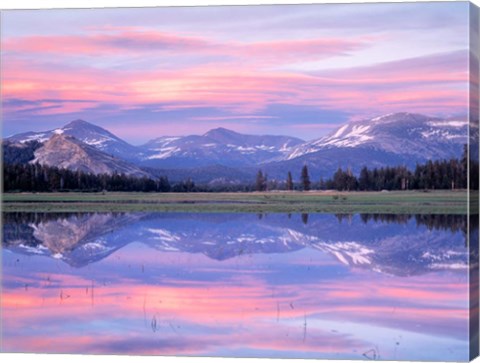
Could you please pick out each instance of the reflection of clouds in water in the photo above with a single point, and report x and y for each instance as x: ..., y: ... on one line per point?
x: 232, y: 316
x: 304, y: 303
x: 239, y: 307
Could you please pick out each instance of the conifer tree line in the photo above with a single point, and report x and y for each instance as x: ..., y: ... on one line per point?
x: 440, y: 174
x: 445, y: 174
x: 261, y: 182
x: 42, y: 178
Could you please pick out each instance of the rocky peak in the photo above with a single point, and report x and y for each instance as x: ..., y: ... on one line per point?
x: 67, y: 152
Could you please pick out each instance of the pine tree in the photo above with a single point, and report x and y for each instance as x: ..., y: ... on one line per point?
x: 260, y: 182
x: 305, y: 178
x: 464, y: 168
x: 322, y: 185
x: 289, y: 181
x: 189, y: 185
x: 350, y: 180
x: 339, y: 179
x: 364, y: 182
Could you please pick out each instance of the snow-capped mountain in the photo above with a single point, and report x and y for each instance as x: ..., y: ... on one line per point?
x: 89, y: 134
x: 217, y: 147
x: 400, y: 133
x: 390, y: 140
x: 67, y: 152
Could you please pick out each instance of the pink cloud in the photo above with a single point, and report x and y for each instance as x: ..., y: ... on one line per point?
x: 233, y: 117
x: 132, y: 40
x: 283, y: 51
x: 241, y: 85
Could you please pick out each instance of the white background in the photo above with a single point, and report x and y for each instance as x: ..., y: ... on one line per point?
x: 42, y: 4
x: 36, y: 4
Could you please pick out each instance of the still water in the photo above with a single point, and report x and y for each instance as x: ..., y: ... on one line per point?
x: 238, y: 285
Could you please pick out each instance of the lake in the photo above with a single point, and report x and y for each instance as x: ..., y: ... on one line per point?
x: 390, y: 287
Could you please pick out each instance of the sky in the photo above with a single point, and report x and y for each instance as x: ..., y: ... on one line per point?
x: 299, y: 70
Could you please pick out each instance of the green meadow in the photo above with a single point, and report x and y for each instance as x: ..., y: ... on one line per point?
x: 395, y: 202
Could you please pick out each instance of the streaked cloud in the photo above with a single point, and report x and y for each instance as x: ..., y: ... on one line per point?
x: 323, y: 58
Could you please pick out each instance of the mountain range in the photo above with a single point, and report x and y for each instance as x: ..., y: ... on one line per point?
x: 228, y: 156
x: 217, y: 146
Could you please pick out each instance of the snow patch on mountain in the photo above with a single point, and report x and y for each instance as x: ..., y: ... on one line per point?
x: 40, y: 137
x: 397, y: 133
x: 382, y: 117
x: 164, y: 235
x: 448, y: 123
x: 440, y: 134
x: 38, y: 250
x: 164, y: 152
x: 217, y: 147
x: 348, y: 252
x: 99, y: 143
x: 449, y: 266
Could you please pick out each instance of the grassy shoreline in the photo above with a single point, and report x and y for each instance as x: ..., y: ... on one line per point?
x: 395, y: 202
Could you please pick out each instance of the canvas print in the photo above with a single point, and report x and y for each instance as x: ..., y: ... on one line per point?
x: 281, y: 181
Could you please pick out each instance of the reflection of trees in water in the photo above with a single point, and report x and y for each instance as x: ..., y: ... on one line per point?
x: 474, y: 253
x: 305, y: 218
x: 17, y: 225
x: 376, y: 217
x: 446, y: 222
x: 343, y: 217
x: 474, y: 222
x: 386, y: 218
x: 42, y: 217
x: 450, y: 222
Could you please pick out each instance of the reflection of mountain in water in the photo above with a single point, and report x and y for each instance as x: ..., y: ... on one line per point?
x: 399, y: 245
x: 78, y: 239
